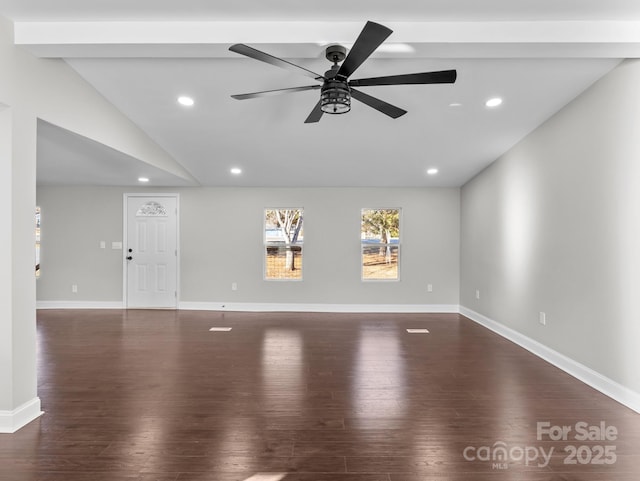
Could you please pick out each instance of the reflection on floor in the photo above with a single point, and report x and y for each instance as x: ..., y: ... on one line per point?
x: 156, y: 395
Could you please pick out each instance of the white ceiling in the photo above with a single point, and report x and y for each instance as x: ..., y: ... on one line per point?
x: 536, y: 55
x: 329, y: 10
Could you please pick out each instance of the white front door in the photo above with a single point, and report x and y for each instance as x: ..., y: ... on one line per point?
x: 151, y: 251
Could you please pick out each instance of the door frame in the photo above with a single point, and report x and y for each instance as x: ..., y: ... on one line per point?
x: 125, y: 240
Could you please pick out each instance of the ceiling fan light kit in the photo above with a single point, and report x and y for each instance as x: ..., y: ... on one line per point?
x: 335, y: 95
x: 336, y: 89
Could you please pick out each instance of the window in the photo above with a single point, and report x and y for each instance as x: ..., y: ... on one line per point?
x: 283, y: 238
x: 38, y: 215
x: 380, y: 243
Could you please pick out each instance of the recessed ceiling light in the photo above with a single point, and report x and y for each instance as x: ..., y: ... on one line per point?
x: 143, y: 179
x: 396, y: 48
x: 236, y: 171
x: 494, y: 102
x: 455, y: 104
x: 186, y: 101
x: 432, y: 171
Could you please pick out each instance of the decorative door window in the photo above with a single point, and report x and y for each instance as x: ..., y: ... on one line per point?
x: 152, y: 209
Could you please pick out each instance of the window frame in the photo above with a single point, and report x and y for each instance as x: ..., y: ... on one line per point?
x: 390, y: 245
x: 38, y: 242
x: 266, y: 244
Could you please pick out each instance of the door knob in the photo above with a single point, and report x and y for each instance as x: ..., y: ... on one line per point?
x: 129, y: 258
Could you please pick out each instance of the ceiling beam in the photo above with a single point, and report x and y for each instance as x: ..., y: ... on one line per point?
x: 538, y: 39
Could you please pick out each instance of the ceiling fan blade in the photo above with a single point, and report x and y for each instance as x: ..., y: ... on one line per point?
x: 441, y: 77
x: 315, y: 114
x: 268, y: 93
x: 372, y: 35
x: 380, y: 105
x: 251, y: 52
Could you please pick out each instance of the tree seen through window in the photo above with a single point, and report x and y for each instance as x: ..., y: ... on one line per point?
x: 380, y: 243
x: 283, y: 238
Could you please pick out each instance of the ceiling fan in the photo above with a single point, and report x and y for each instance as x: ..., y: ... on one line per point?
x: 336, y: 89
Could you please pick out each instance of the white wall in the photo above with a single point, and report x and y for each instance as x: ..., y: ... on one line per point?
x: 221, y: 242
x: 553, y: 226
x: 19, y: 402
x: 6, y: 291
x: 72, y: 227
x: 34, y: 88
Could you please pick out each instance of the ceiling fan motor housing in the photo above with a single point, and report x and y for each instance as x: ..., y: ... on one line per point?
x: 335, y: 53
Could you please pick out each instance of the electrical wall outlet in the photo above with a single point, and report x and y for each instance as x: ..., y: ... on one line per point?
x: 429, y: 287
x: 74, y: 288
x: 477, y: 293
x: 543, y: 318
x: 234, y: 286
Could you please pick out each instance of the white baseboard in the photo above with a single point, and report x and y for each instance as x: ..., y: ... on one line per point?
x: 302, y: 307
x: 266, y: 307
x: 606, y: 386
x: 79, y: 305
x: 11, y: 421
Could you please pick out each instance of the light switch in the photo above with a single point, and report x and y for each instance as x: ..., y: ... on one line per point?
x: 116, y: 245
x: 103, y: 245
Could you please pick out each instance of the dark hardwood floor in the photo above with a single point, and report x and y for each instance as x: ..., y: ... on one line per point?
x: 154, y: 395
